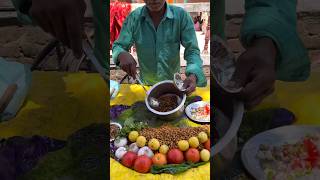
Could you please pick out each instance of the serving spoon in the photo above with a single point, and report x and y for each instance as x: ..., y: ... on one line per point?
x: 152, y: 101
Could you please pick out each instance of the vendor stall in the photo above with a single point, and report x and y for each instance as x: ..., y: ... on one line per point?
x: 130, y: 94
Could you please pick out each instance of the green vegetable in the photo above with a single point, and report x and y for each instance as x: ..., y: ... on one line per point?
x: 140, y: 113
x: 253, y: 123
x: 131, y: 125
x: 124, y: 116
x: 174, y: 168
x: 185, y: 122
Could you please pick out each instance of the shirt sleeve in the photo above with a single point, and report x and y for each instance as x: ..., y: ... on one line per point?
x: 192, y: 52
x: 101, y: 48
x: 125, y: 39
x: 277, y: 20
x: 20, y: 5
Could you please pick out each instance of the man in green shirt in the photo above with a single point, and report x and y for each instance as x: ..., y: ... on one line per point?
x: 157, y: 30
x: 273, y: 47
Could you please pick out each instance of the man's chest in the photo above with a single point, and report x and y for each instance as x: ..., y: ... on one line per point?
x: 146, y: 34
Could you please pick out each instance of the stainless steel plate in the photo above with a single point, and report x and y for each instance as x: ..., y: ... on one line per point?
x: 274, y: 137
x: 198, y: 104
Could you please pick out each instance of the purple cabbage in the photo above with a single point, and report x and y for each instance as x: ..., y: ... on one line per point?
x: 116, y: 110
x: 113, y: 149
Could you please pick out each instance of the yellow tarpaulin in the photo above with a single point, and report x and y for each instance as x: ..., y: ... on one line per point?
x: 302, y: 98
x: 58, y: 104
x: 128, y: 95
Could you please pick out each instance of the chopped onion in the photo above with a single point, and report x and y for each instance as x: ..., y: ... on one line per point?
x: 120, y: 142
x: 134, y: 147
x: 145, y: 151
x: 120, y: 152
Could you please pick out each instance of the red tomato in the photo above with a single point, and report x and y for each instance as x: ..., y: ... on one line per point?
x: 296, y: 164
x: 313, y: 153
x: 207, y: 109
x: 311, y: 148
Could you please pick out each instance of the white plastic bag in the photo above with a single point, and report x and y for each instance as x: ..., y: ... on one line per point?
x: 14, y: 73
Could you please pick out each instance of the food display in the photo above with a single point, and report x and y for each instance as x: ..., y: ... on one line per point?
x: 299, y: 160
x: 148, y: 144
x: 165, y: 149
x: 170, y: 135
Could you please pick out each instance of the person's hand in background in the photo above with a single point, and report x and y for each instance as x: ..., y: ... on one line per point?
x: 190, y: 84
x: 255, y: 72
x: 128, y: 64
x: 63, y: 19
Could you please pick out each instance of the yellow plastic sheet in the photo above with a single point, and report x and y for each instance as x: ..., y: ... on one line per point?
x: 302, y: 98
x: 59, y: 104
x: 129, y: 94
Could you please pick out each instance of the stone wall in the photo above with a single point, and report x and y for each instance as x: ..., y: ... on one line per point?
x: 308, y: 28
x: 24, y: 43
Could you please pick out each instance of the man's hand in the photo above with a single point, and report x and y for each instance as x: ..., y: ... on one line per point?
x: 190, y: 84
x: 63, y: 19
x: 128, y: 64
x: 255, y: 72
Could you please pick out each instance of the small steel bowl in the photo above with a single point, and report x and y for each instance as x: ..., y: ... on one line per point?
x: 117, y: 124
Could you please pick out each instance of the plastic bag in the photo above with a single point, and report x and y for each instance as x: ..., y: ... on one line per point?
x: 14, y: 73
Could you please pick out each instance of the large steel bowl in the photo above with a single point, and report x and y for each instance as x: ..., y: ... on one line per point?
x: 227, y: 121
x: 163, y: 88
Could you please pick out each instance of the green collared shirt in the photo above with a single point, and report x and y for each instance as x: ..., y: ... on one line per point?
x: 99, y: 9
x: 159, y: 50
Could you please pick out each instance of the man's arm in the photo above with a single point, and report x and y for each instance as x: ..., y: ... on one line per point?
x: 192, y: 52
x: 277, y: 20
x: 120, y: 55
x: 124, y: 41
x: 101, y: 49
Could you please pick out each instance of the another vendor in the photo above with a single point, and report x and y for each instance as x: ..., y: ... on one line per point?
x: 157, y: 30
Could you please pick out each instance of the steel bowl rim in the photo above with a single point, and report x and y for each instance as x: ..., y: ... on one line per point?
x: 164, y: 113
x: 232, y: 131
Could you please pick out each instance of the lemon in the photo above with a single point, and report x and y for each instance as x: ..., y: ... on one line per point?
x: 141, y: 141
x: 154, y: 144
x: 183, y: 145
x: 193, y: 142
x: 205, y: 155
x: 133, y: 135
x: 203, y: 137
x: 164, y: 149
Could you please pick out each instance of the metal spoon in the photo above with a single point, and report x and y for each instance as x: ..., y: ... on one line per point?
x: 178, y: 82
x: 152, y: 101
